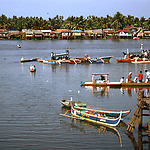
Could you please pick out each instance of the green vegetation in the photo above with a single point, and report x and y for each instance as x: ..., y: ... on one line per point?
x: 118, y: 21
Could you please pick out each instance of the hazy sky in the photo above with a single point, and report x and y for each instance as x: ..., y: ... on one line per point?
x: 66, y: 8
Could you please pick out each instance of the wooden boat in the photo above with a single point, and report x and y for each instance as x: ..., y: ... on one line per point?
x: 101, y: 79
x: 104, y: 112
x: 67, y: 103
x: 95, y: 117
x: 28, y: 60
x: 144, y: 61
x: 32, y: 68
x: 136, y: 57
x: 63, y: 58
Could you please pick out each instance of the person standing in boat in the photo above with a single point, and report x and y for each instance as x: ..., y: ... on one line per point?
x: 147, y: 76
x: 129, y: 77
x: 52, y: 55
x: 140, y: 76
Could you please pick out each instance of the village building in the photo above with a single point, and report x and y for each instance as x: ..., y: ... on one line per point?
x: 28, y: 35
x: 15, y: 35
x: 123, y: 34
x: 38, y: 34
x: 109, y: 33
x: 3, y: 34
x: 47, y: 34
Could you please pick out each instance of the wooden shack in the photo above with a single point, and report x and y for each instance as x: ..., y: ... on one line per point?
x: 3, y: 34
x: 16, y: 35
x: 142, y: 111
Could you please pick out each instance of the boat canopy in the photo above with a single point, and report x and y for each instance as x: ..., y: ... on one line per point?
x: 100, y: 76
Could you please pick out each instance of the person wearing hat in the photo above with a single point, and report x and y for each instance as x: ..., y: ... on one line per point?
x: 140, y: 76
x: 129, y: 77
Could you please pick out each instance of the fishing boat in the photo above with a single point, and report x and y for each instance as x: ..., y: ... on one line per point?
x: 63, y: 58
x: 95, y: 117
x: 144, y: 61
x: 67, y: 103
x: 130, y: 57
x: 28, y: 60
x: 32, y: 68
x: 101, y: 79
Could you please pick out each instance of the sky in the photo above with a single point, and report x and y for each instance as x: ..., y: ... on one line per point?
x: 51, y: 8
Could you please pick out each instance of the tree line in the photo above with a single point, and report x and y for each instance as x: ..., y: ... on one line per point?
x: 118, y: 21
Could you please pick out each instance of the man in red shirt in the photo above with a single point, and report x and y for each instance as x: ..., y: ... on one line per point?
x: 140, y: 76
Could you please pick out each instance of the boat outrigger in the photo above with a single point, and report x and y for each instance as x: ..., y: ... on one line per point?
x: 101, y: 79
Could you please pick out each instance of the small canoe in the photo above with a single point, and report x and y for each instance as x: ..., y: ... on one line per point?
x: 28, y: 60
x: 66, y: 103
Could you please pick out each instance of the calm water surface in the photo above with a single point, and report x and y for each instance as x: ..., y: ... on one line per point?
x: 29, y: 102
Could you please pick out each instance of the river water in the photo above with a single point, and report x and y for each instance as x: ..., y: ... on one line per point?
x: 30, y: 102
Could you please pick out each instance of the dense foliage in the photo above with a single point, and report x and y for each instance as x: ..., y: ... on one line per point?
x: 118, y: 21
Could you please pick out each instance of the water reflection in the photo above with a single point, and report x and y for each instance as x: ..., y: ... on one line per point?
x: 103, y: 91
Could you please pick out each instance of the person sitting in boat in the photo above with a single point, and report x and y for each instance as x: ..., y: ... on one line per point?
x: 124, y: 55
x: 22, y: 58
x: 135, y: 80
x: 140, y: 75
x: 122, y: 79
x: 102, y: 77
x: 147, y: 76
x: 129, y: 77
x: 146, y: 54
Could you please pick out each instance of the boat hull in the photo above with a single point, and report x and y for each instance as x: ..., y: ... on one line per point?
x: 105, y: 112
x: 28, y: 60
x: 95, y: 118
x: 118, y: 84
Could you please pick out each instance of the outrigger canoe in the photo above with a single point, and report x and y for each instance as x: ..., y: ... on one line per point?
x: 83, y: 106
x: 63, y: 58
x: 67, y: 103
x: 102, y: 80
x: 95, y: 117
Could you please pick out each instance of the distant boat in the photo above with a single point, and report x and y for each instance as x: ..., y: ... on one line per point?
x: 19, y: 46
x: 32, y: 68
x: 28, y: 60
x: 136, y: 38
x: 141, y: 62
